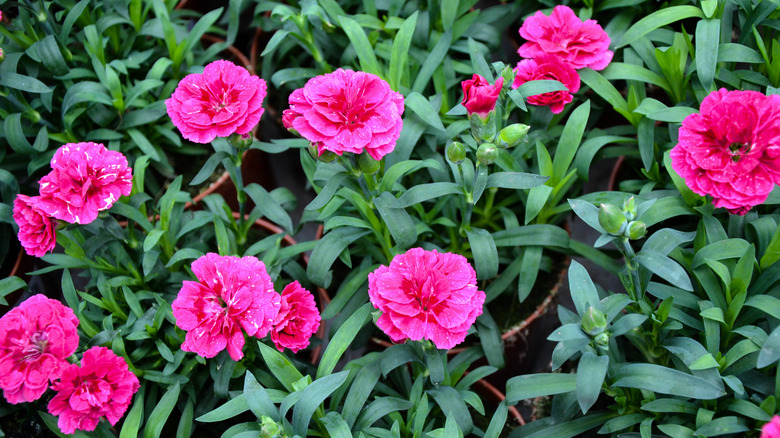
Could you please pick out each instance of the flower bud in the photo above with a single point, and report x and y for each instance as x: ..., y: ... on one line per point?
x: 508, y: 75
x: 594, y: 322
x: 487, y: 153
x: 479, y: 97
x: 636, y: 230
x: 240, y: 141
x: 612, y: 219
x: 602, y: 339
x: 325, y: 157
x: 629, y: 208
x: 2, y: 55
x: 456, y: 152
x: 270, y: 429
x: 483, y: 129
x: 367, y: 164
x: 512, y: 135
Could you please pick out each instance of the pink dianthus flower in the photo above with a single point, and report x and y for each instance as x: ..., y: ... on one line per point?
x: 223, y: 100
x: 479, y: 97
x: 426, y: 295
x: 347, y: 111
x: 36, y: 338
x: 298, y: 319
x: 771, y: 429
x: 86, y: 178
x: 103, y: 386
x: 37, y: 231
x: 548, y: 67
x: 731, y: 149
x: 232, y: 293
x: 562, y: 34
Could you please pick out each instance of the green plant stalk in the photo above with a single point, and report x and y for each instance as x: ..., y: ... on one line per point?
x: 307, y: 39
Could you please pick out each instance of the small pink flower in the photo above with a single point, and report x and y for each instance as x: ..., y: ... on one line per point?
x: 86, y: 178
x: 479, y: 96
x: 731, y: 149
x: 347, y: 111
x: 103, y: 386
x: 36, y: 338
x: 225, y: 99
x: 233, y: 293
x: 563, y: 34
x: 37, y: 231
x: 548, y: 67
x: 426, y: 295
x: 298, y: 319
x: 771, y: 429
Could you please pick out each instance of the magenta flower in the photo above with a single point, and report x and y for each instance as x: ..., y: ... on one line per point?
x: 37, y: 231
x: 731, y: 149
x: 771, y: 429
x: 563, y: 34
x: 233, y: 293
x: 86, y: 178
x: 548, y: 67
x: 426, y: 295
x: 225, y: 99
x: 103, y: 386
x: 298, y: 319
x: 36, y: 338
x: 347, y: 111
x: 479, y: 97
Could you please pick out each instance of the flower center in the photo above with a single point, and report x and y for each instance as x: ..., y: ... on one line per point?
x: 738, y: 149
x: 38, y: 342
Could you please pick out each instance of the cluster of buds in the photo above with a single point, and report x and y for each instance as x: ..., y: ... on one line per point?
x: 621, y: 222
x: 270, y: 428
x: 594, y: 323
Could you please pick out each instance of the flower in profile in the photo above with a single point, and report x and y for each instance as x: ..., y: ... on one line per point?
x: 347, y: 111
x: 37, y: 231
x: 479, y: 97
x: 233, y: 293
x: 103, y: 386
x: 36, y: 338
x: 771, y: 429
x: 223, y: 100
x: 543, y: 67
x: 426, y: 295
x: 86, y: 178
x: 731, y: 149
x: 562, y: 34
x: 298, y: 319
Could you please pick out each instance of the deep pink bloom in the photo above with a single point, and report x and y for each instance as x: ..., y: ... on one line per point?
x: 548, y: 67
x: 298, y: 319
x: 563, y: 34
x: 479, y: 96
x: 37, y: 231
x: 347, y: 111
x: 103, y: 386
x: 771, y: 429
x: 232, y: 293
x: 86, y: 178
x: 426, y: 295
x: 225, y: 99
x: 731, y: 149
x: 36, y: 338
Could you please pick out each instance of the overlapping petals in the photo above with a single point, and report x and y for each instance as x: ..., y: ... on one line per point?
x: 298, y: 319
x: 479, y: 97
x: 771, y: 429
x: 544, y: 67
x: 37, y: 231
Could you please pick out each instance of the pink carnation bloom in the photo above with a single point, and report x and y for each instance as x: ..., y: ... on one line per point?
x: 232, y: 293
x: 36, y: 338
x: 479, y: 96
x: 731, y: 149
x: 426, y: 295
x: 347, y: 111
x: 771, y: 429
x: 563, y: 34
x: 37, y: 231
x: 86, y: 178
x: 103, y: 386
x: 548, y: 67
x: 225, y: 99
x: 298, y: 319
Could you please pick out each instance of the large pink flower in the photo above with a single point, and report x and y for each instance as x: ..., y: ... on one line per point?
x: 37, y: 231
x: 225, y: 99
x: 548, y: 67
x: 36, y: 338
x: 563, y: 34
x: 771, y: 429
x: 426, y: 295
x: 298, y: 319
x: 479, y: 96
x: 103, y: 386
x: 347, y: 111
x: 86, y: 178
x: 731, y: 149
x: 232, y: 293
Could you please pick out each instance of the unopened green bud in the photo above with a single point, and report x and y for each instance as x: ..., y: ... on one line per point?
x: 270, y: 429
x: 629, y: 208
x: 612, y: 219
x: 602, y: 339
x: 594, y: 322
x: 2, y: 55
x: 240, y: 141
x: 367, y: 164
x: 487, y: 153
x: 512, y: 135
x: 636, y: 230
x: 508, y: 73
x: 483, y: 129
x: 326, y: 157
x: 456, y: 152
